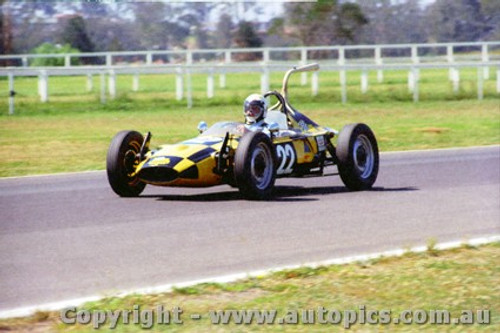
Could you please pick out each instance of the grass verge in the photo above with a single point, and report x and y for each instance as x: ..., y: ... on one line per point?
x: 74, y: 135
x: 465, y: 278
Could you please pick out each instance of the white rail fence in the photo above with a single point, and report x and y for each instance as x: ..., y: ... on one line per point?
x: 375, y: 54
x: 184, y: 90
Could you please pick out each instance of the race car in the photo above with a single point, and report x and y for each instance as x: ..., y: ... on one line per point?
x: 292, y: 145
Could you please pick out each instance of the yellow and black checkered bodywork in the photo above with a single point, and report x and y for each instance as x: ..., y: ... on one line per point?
x: 193, y: 163
x: 189, y: 163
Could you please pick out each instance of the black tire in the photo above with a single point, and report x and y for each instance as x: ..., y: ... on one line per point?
x: 358, y: 158
x: 255, y: 166
x: 121, y: 161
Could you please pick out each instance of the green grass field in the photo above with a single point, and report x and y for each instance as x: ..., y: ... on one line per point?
x: 71, y: 132
x: 434, y: 85
x: 454, y: 280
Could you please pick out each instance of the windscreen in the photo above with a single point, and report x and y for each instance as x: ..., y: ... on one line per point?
x: 221, y: 128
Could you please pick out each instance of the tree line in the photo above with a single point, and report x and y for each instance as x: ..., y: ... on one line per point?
x: 93, y: 26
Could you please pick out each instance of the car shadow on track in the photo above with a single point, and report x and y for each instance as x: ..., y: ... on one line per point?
x: 281, y: 194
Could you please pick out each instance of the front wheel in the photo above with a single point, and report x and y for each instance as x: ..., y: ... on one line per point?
x: 357, y: 155
x: 121, y: 162
x: 255, y: 166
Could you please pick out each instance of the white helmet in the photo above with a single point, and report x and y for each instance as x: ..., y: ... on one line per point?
x: 254, y: 108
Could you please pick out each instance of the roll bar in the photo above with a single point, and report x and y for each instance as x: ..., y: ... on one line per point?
x: 305, y: 68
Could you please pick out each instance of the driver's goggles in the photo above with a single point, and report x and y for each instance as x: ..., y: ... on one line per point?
x: 253, y: 110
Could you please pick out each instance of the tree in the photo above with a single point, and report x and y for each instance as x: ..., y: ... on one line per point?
x: 47, y: 48
x: 393, y: 22
x: 113, y: 35
x: 348, y: 20
x: 277, y: 36
x: 150, y: 19
x: 168, y: 26
x: 223, y: 32
x: 324, y: 22
x: 75, y: 34
x: 490, y: 9
x: 246, y: 37
x: 456, y: 21
x: 5, y: 29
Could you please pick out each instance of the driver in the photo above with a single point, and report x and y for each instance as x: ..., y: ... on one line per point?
x: 255, y: 110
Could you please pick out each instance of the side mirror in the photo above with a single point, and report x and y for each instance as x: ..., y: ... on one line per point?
x: 202, y: 127
x: 273, y: 127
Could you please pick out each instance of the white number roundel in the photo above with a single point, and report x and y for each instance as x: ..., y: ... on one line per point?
x: 286, y: 157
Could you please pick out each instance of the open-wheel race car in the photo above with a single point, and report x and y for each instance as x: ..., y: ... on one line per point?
x: 288, y: 144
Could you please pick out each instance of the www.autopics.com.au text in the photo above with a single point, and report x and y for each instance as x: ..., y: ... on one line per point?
x: 147, y: 318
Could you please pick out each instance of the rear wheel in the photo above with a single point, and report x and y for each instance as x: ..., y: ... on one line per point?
x: 255, y: 166
x: 121, y: 162
x: 357, y: 155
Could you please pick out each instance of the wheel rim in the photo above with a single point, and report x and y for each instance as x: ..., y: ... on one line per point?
x: 261, y: 166
x: 130, y: 165
x: 364, y: 156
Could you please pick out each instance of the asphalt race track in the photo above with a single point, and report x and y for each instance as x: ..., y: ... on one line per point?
x: 69, y: 236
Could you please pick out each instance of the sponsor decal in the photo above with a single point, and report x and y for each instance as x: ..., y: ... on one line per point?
x: 303, y: 125
x: 162, y: 160
x: 169, y: 161
x: 321, y: 142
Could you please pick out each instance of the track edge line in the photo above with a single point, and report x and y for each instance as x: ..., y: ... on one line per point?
x: 56, y: 306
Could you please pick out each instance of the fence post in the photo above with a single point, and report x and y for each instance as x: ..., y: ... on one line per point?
x: 379, y: 61
x: 264, y: 80
x: 450, y: 59
x: 414, y: 55
x: 342, y: 73
x: 135, y: 82
x: 149, y: 58
x: 480, y: 83
x: 227, y: 57
x: 189, y: 57
x: 67, y: 61
x: 43, y: 86
x: 109, y: 60
x: 498, y: 80
x: 341, y: 60
x: 103, y: 88
x: 90, y: 83
x: 222, y: 80
x: 40, y: 84
x: 222, y: 76
x: 315, y: 83
x: 455, y: 78
x: 485, y: 58
x: 411, y: 81
x: 25, y: 62
x: 303, y: 60
x: 112, y: 84
x: 364, y: 81
x: 189, y: 89
x: 179, y: 84
x: 210, y: 83
x: 266, y: 55
x: 343, y: 86
x: 11, y: 93
x: 415, y: 84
